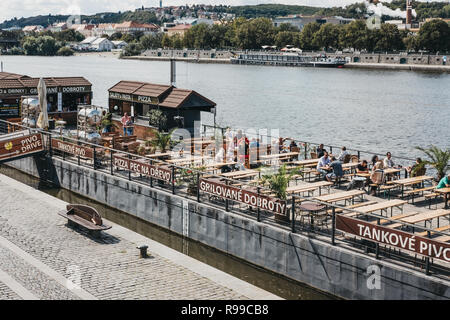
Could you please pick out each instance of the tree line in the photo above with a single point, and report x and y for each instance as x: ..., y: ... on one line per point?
x: 45, y: 43
x: 252, y: 34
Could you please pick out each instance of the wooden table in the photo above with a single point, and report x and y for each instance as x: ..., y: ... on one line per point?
x: 446, y: 192
x: 237, y: 174
x: 312, y: 208
x: 306, y: 162
x: 425, y: 216
x: 279, y: 156
x: 381, y: 206
x: 309, y: 187
x: 339, y: 196
x: 411, y: 181
x: 159, y: 155
x: 188, y: 159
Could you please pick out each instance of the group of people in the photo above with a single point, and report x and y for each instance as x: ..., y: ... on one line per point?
x: 107, y: 124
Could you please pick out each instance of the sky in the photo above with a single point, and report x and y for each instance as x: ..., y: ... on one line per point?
x: 26, y: 8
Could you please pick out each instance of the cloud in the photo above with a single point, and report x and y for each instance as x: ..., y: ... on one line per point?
x: 26, y: 8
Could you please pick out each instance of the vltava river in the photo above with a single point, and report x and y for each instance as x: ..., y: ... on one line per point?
x: 363, y: 109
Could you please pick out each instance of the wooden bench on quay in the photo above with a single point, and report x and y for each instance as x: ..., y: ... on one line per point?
x: 126, y: 143
x: 85, y: 216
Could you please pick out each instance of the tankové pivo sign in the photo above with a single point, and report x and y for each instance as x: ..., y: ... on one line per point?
x: 143, y: 168
x: 395, y: 238
x: 76, y: 150
x: 21, y: 146
x: 244, y: 196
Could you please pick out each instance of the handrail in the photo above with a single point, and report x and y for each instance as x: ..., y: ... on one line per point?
x: 200, y: 173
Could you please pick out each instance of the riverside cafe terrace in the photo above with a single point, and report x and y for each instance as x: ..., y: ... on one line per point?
x: 182, y: 107
x: 64, y: 94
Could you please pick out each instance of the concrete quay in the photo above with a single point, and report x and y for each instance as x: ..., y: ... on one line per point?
x: 338, y: 270
x: 42, y: 258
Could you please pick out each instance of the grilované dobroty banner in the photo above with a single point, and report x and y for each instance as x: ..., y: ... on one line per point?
x: 244, y: 196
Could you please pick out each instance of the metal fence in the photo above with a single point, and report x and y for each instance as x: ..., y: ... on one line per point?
x: 185, y: 182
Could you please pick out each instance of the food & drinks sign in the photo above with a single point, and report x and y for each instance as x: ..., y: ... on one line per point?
x: 244, y: 196
x: 395, y: 238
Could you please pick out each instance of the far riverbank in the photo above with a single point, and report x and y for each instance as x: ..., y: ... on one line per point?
x: 350, y: 65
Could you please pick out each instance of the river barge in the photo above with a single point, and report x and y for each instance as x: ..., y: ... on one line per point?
x: 291, y: 60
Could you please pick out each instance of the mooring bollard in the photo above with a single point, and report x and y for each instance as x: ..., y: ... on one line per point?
x: 143, y: 251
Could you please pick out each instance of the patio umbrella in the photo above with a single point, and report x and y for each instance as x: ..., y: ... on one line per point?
x: 43, y: 116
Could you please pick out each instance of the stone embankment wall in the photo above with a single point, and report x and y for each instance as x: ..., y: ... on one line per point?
x: 334, y: 269
x: 402, y: 58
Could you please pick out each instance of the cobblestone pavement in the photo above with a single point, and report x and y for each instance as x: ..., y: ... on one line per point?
x: 108, y: 268
x: 6, y: 293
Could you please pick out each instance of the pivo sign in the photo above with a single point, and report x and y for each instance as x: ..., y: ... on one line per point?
x: 395, y: 238
x: 143, y: 168
x: 244, y: 196
x: 18, y: 147
x: 74, y: 149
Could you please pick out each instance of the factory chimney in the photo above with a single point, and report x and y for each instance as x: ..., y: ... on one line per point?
x: 409, y: 12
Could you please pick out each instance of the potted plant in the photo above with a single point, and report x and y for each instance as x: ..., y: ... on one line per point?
x: 189, y: 176
x: 141, y: 150
x: 162, y: 140
x: 439, y: 159
x: 278, y: 183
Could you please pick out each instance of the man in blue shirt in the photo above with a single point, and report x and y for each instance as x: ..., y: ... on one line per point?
x: 336, y: 165
x: 444, y: 183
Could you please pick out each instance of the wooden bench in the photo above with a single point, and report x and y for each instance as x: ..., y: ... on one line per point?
x: 432, y: 195
x: 414, y: 191
x: 440, y: 229
x: 85, y: 216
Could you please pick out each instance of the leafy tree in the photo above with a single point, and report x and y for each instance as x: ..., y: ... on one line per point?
x: 65, y: 51
x: 30, y: 46
x: 438, y: 158
x: 47, y: 46
x: 116, y: 36
x: 354, y: 35
x: 128, y: 38
x: 410, y: 42
x: 307, y: 36
x: 166, y: 41
x: 327, y: 36
x: 68, y: 35
x: 254, y: 34
x: 151, y: 41
x: 434, y: 36
x: 288, y: 27
x: 389, y: 38
x: 285, y: 38
x: 133, y: 49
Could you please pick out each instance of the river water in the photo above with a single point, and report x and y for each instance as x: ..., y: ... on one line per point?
x: 371, y: 110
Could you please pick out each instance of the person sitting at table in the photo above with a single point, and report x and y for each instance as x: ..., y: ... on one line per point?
x: 324, y: 161
x: 220, y: 155
x: 320, y: 151
x: 444, y: 182
x: 343, y: 154
x: 362, y: 167
x: 292, y: 145
x: 336, y: 166
x: 416, y: 169
x: 253, y: 143
x: 281, y: 144
x: 374, y: 161
x: 388, y: 162
x: 377, y: 175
